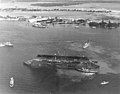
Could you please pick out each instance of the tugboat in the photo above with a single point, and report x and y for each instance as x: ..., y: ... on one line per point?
x: 11, y: 82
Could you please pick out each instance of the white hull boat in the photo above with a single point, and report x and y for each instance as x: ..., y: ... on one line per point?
x: 12, y: 82
x: 7, y: 44
x: 2, y: 45
x: 94, y: 27
x: 104, y: 83
x: 86, y: 45
x: 88, y: 74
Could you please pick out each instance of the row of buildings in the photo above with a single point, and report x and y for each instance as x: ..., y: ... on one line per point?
x: 16, y: 18
x: 63, y: 20
x: 59, y: 20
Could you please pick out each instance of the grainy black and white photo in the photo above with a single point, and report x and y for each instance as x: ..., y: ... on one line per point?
x: 59, y: 46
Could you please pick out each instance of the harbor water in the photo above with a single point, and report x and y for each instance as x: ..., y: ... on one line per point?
x: 63, y: 40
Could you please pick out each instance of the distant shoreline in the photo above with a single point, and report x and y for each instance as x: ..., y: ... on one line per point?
x: 52, y: 4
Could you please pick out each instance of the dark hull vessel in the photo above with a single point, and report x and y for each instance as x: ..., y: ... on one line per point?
x: 58, y: 57
x: 76, y: 63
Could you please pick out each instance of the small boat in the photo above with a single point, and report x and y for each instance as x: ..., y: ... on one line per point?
x: 88, y: 74
x: 11, y: 82
x: 9, y: 44
x: 29, y: 62
x: 104, y: 83
x: 87, y: 71
x: 76, y: 26
x: 39, y: 25
x: 86, y: 45
x: 94, y: 27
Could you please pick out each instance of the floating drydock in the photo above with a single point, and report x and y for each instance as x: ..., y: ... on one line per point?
x: 76, y: 63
